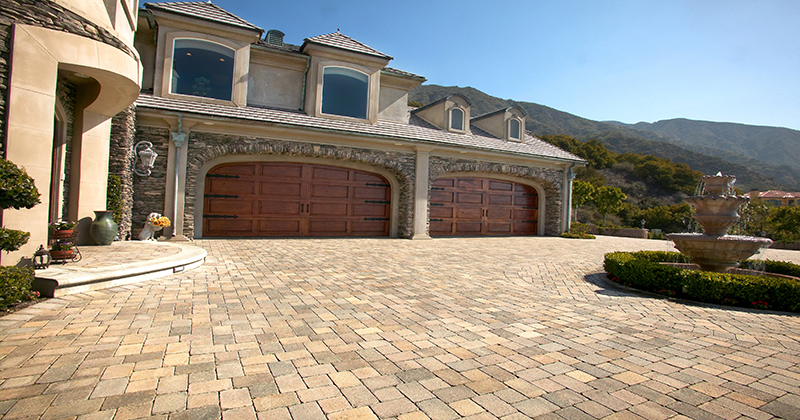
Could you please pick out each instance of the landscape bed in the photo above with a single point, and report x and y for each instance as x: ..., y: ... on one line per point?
x: 642, y: 270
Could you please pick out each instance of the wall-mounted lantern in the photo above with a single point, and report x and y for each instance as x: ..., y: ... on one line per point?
x: 146, y: 156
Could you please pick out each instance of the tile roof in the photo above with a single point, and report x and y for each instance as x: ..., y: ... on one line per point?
x: 204, y: 10
x: 778, y: 194
x: 283, y: 47
x: 416, y: 131
x: 397, y: 72
x: 344, y: 42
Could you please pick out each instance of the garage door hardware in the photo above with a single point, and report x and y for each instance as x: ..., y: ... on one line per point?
x: 529, y: 208
x: 221, y: 176
x: 221, y: 216
x: 436, y: 204
x: 382, y: 219
x: 376, y: 201
x: 437, y: 189
x: 371, y: 184
x: 221, y: 196
x: 437, y: 220
x: 529, y: 221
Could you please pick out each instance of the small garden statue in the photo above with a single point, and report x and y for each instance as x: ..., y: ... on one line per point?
x: 155, y: 222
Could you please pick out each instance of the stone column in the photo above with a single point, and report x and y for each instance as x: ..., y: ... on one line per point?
x: 421, y: 193
x: 176, y: 179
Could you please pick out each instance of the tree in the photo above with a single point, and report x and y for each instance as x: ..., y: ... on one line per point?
x: 784, y: 223
x: 609, y: 200
x: 582, y: 192
x: 17, y: 190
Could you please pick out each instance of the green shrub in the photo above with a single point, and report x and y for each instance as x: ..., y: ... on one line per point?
x: 17, y: 191
x: 578, y: 231
x: 11, y: 240
x: 643, y: 271
x: 15, y: 285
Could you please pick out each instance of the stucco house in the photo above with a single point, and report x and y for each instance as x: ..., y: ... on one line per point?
x: 66, y: 68
x: 252, y: 136
x: 259, y: 138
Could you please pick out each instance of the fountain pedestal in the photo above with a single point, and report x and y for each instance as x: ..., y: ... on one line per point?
x: 716, y: 212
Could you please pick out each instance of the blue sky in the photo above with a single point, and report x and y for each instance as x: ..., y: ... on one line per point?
x: 630, y: 61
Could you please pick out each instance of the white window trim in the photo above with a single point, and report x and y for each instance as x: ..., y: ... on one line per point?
x: 322, y: 88
x: 172, y: 67
x: 463, y: 119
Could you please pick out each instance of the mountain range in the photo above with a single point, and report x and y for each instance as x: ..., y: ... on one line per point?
x: 760, y: 157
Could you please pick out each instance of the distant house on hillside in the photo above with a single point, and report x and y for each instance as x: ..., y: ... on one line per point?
x: 777, y: 198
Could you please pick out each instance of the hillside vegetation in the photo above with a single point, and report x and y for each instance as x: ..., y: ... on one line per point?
x: 645, y: 139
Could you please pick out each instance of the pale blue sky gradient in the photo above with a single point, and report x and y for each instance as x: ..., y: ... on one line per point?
x: 630, y: 61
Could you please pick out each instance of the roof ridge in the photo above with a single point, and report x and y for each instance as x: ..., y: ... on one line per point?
x: 334, y: 40
x: 195, y: 9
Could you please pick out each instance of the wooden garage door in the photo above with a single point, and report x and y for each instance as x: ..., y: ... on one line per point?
x: 481, y: 206
x: 294, y: 199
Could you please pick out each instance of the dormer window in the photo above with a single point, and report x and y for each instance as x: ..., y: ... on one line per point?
x: 456, y: 119
x: 514, y: 130
x: 202, y: 68
x: 345, y: 92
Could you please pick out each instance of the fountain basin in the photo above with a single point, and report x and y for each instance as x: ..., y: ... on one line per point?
x: 717, y: 253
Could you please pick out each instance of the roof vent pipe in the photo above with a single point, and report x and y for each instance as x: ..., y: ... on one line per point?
x: 274, y: 37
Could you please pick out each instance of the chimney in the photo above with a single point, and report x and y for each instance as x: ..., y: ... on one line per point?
x: 274, y: 37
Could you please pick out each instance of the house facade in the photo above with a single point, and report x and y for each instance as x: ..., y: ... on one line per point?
x: 67, y: 67
x: 259, y: 138
x: 776, y: 198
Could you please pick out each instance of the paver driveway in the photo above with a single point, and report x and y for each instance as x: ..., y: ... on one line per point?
x: 508, y: 328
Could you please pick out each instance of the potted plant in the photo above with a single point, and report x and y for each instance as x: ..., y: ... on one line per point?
x: 62, y: 229
x: 62, y: 251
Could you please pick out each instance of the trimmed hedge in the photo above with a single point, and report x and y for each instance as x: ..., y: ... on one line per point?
x: 15, y: 285
x: 643, y: 271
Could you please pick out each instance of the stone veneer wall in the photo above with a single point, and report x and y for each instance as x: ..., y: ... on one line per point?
x: 149, y: 191
x: 204, y: 147
x: 46, y: 14
x: 123, y: 130
x: 65, y: 92
x: 551, y: 181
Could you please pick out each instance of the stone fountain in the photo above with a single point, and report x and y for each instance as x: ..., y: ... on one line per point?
x: 716, y: 211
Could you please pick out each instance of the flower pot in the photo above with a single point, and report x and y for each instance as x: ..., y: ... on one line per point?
x: 103, y: 230
x: 62, y: 255
x: 62, y: 234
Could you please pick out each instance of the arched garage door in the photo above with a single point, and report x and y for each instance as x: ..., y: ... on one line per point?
x: 294, y: 199
x: 482, y: 206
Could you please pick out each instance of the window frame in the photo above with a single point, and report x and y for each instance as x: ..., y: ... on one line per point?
x: 171, y: 70
x: 450, y: 127
x: 368, y: 99
x: 519, y: 129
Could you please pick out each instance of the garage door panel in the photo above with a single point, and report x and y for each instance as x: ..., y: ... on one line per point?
x: 499, y: 228
x: 330, y: 173
x: 329, y: 191
x: 469, y: 228
x: 368, y: 192
x: 231, y: 225
x: 369, y: 210
x: 445, y: 183
x: 229, y: 186
x: 442, y: 212
x: 501, y: 186
x: 282, y: 170
x: 367, y: 177
x: 526, y: 200
x: 469, y: 198
x: 469, y: 183
x: 279, y: 227
x: 289, y: 189
x: 521, y: 228
x: 369, y: 228
x: 500, y: 199
x: 441, y: 227
x: 222, y: 206
x: 499, y: 213
x: 469, y: 213
x: 268, y: 207
x: 238, y: 169
x: 526, y: 214
x: 442, y: 197
x: 328, y: 227
x: 328, y: 209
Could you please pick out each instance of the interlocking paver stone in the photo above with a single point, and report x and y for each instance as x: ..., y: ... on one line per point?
x: 481, y: 328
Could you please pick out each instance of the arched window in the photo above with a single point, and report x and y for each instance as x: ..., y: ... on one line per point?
x: 514, y: 129
x: 457, y: 119
x: 202, y: 68
x: 345, y: 92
